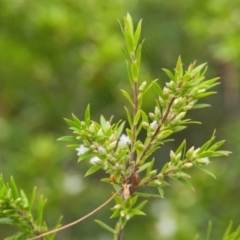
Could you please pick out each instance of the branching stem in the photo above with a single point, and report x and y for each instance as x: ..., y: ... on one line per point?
x: 77, y: 221
x: 157, y: 130
x: 134, y: 126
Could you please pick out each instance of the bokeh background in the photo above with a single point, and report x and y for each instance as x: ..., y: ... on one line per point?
x: 56, y: 56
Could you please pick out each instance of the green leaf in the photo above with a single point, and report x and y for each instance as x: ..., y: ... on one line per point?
x: 178, y: 128
x: 185, y: 182
x: 143, y: 167
x: 87, y: 119
x: 135, y: 211
x: 150, y: 167
x: 179, y: 69
x: 198, y: 68
x: 13, y: 188
x: 84, y: 156
x: 105, y: 226
x: 129, y: 73
x: 67, y: 138
x: 137, y: 117
x: 24, y: 199
x: 76, y: 120
x: 209, y: 230
x: 202, y: 95
x: 137, y: 33
x: 207, y: 171
x: 129, y: 23
x: 141, y: 205
x: 41, y: 205
x: 129, y: 117
x: 92, y: 170
x: 127, y: 97
x: 201, y: 105
x: 216, y: 145
x: 32, y: 198
x: 120, y: 129
x: 139, y: 54
x: 207, y: 144
x: 115, y: 214
x: 118, y: 200
x: 147, y: 195
x: 71, y: 123
x: 181, y: 147
x: 6, y: 221
x: 73, y: 146
x: 158, y: 89
x: 161, y: 192
x: 169, y: 74
x: 166, y: 133
x: 103, y: 122
x: 228, y: 230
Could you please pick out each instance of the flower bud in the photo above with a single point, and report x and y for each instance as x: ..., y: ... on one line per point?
x: 145, y: 125
x: 153, y: 173
x: 189, y: 154
x: 187, y: 165
x: 154, y: 125
x: 143, y: 86
x: 152, y: 115
x: 112, y: 145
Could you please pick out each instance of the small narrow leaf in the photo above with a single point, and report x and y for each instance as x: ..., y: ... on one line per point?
x: 105, y: 226
x: 137, y: 33
x: 147, y: 195
x: 198, y: 68
x: 67, y: 138
x: 181, y: 147
x: 158, y: 89
x: 14, y: 188
x: 103, y: 122
x: 209, y: 230
x: 143, y: 167
x: 87, y: 115
x: 129, y: 117
x: 127, y: 97
x: 76, y: 120
x: 92, y: 170
x: 169, y: 74
x: 201, y: 105
x: 185, y: 182
x: 207, y: 171
x: 137, y: 117
x: 32, y: 198
x: 228, y: 230
x: 136, y: 212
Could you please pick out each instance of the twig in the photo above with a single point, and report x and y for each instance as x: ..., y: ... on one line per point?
x: 157, y: 130
x: 77, y: 221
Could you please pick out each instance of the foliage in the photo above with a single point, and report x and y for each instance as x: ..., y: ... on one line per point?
x: 120, y: 123
x: 16, y: 209
x: 124, y: 156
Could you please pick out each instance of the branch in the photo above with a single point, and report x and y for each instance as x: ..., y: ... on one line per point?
x: 157, y: 130
x: 77, y: 221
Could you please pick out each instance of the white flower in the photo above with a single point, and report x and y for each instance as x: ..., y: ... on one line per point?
x: 154, y: 125
x: 95, y: 160
x: 204, y: 161
x: 123, y: 141
x: 101, y: 150
x: 81, y: 150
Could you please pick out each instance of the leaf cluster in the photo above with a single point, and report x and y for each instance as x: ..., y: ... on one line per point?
x: 16, y: 209
x: 122, y: 154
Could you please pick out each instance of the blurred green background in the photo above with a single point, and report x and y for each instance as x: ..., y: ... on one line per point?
x: 56, y: 56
